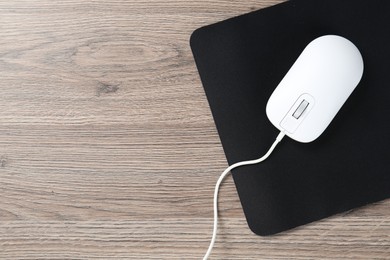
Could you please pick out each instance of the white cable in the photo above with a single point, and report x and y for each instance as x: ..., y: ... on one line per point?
x: 223, y: 175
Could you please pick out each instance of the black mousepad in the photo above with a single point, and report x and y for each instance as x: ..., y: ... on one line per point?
x: 242, y: 60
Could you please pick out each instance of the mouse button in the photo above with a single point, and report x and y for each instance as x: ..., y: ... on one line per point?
x: 289, y: 124
x: 297, y: 113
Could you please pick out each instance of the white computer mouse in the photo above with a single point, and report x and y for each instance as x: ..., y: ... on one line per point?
x: 315, y: 88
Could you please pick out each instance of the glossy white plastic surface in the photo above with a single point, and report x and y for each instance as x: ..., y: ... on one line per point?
x: 325, y: 74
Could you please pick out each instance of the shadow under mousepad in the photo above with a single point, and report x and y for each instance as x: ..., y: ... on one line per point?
x: 243, y: 59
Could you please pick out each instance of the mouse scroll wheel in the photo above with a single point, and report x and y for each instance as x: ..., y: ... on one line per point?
x: 300, y: 109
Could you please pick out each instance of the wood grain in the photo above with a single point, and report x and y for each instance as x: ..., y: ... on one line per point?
x: 108, y: 149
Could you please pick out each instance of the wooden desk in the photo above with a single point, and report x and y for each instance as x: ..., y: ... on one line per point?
x: 108, y: 149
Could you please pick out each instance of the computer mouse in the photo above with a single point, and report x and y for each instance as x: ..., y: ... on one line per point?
x: 315, y: 88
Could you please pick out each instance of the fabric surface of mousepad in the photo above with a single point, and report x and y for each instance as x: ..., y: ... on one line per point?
x: 242, y: 60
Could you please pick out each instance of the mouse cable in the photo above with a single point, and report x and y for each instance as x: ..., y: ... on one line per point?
x: 223, y: 175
